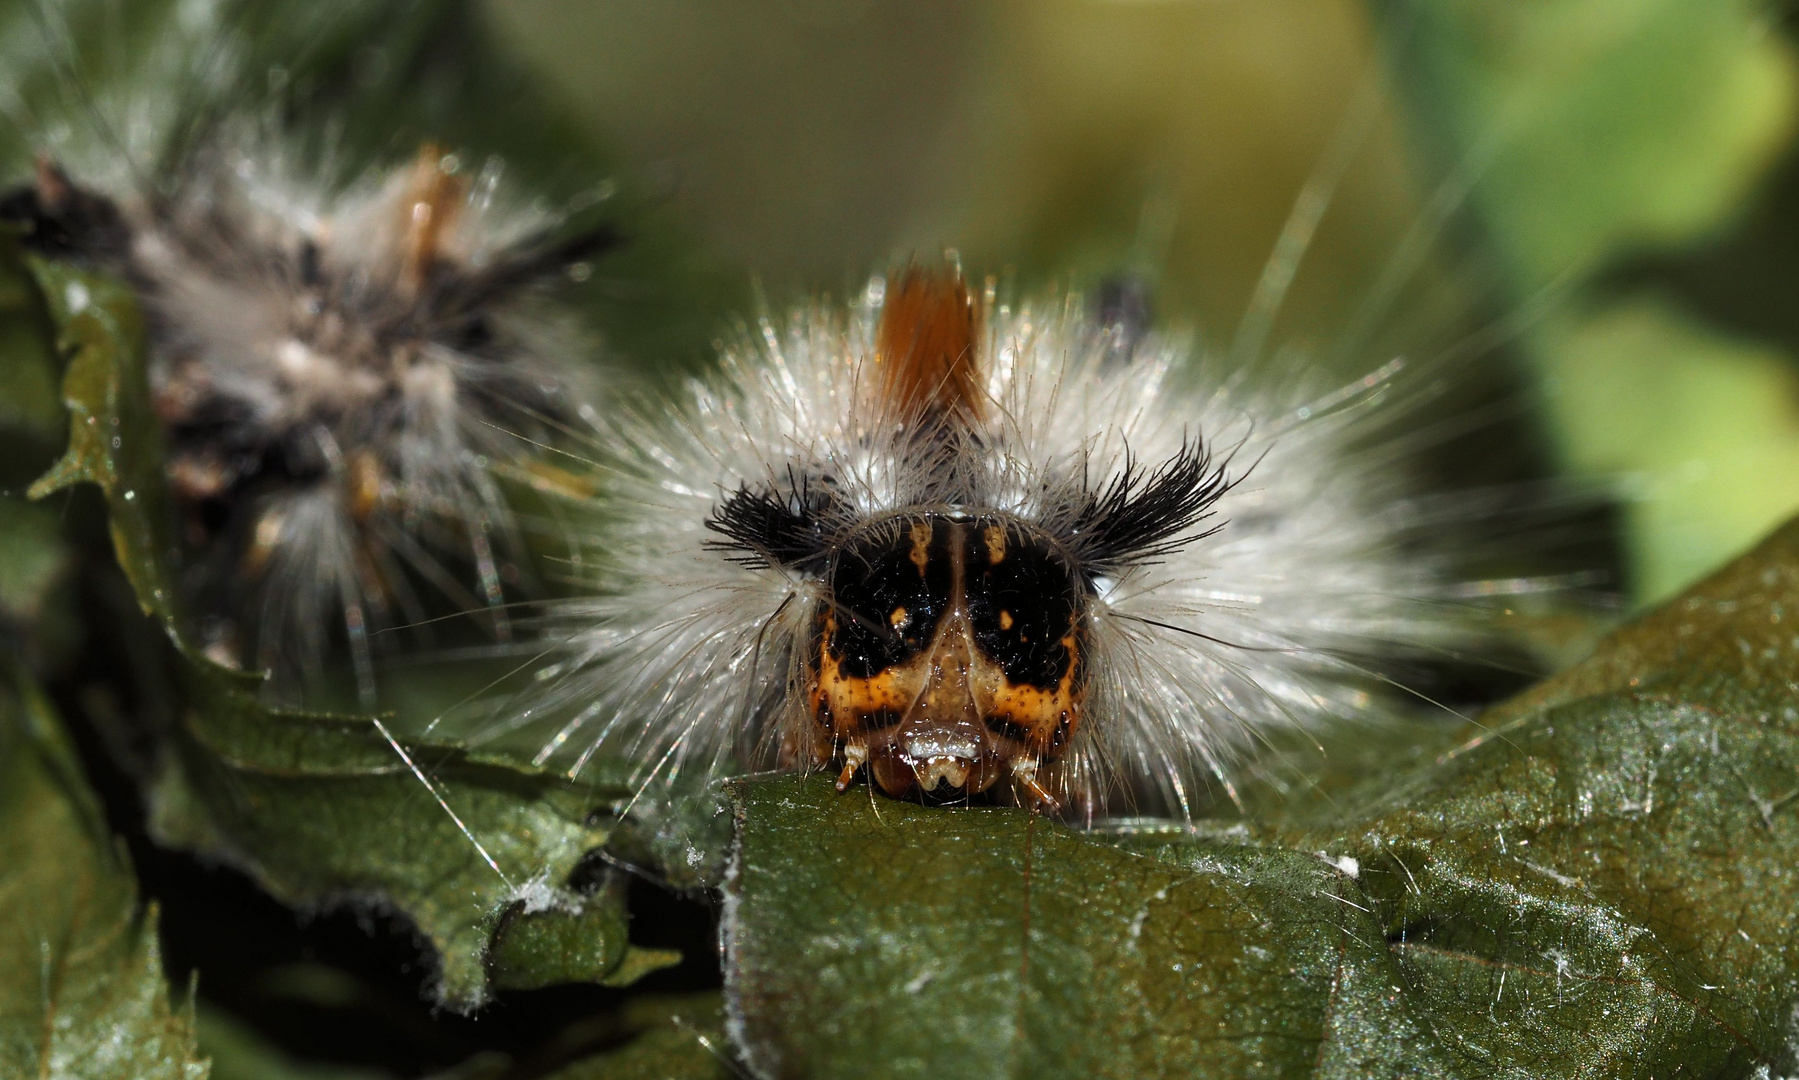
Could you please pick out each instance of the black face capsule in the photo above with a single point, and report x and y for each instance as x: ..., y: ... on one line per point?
x: 946, y: 653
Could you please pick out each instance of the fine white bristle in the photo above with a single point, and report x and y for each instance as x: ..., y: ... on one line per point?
x: 1263, y: 613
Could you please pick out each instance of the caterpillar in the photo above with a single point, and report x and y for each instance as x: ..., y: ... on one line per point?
x: 339, y: 370
x: 969, y: 548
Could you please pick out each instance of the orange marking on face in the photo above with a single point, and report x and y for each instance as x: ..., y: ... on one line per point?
x: 921, y: 546
x: 944, y: 682
x: 947, y: 714
x: 1049, y: 716
x: 843, y: 700
x: 996, y: 543
x: 925, y: 349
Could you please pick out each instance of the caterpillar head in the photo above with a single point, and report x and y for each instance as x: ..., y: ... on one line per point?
x: 947, y: 653
x: 948, y: 639
x: 965, y: 548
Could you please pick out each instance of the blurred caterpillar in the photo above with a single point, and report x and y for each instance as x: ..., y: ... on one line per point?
x: 967, y: 547
x: 338, y: 372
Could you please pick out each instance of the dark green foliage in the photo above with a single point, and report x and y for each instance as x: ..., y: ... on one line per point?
x: 81, y: 984
x: 1598, y: 879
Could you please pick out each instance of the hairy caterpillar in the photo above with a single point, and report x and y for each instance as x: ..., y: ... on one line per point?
x: 339, y: 369
x: 969, y: 547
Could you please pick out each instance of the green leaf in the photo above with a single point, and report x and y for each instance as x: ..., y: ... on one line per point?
x: 990, y: 942
x: 1621, y: 847
x: 32, y: 558
x: 673, y: 1038
x: 584, y: 941
x: 30, y: 411
x: 323, y: 809
x: 114, y: 439
x: 82, y: 992
x: 237, y: 1053
x: 1601, y: 881
x: 1598, y: 124
x: 1702, y: 428
x: 1597, y: 130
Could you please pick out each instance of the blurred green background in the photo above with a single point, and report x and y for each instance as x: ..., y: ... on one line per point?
x: 1581, y: 212
x: 1586, y: 193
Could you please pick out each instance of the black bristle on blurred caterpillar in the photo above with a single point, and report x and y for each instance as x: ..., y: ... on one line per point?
x: 339, y: 369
